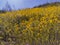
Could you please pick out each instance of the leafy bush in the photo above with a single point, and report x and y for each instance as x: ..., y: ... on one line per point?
x: 37, y: 26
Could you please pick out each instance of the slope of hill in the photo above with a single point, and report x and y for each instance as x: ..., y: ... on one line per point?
x: 49, y: 4
x: 35, y: 26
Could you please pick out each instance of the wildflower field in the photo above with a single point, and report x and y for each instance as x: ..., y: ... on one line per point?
x: 32, y: 26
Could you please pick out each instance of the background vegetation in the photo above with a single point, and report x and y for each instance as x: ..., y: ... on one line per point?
x: 36, y: 26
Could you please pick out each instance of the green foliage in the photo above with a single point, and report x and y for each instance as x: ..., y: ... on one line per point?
x: 37, y: 26
x: 1, y: 11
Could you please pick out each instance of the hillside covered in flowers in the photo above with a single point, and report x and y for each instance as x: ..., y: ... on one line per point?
x: 32, y: 26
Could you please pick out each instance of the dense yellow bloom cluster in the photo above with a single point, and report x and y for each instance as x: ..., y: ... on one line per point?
x: 36, y: 26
